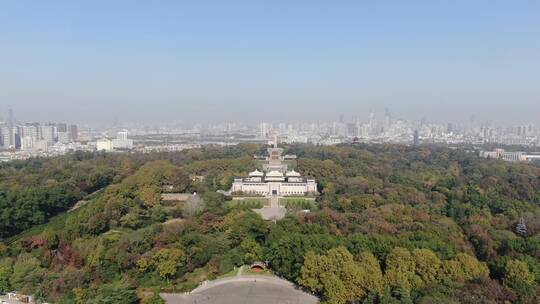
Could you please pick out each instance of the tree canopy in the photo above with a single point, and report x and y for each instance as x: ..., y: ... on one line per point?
x: 393, y: 224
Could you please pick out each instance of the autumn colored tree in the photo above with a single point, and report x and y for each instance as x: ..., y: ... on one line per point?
x: 165, y: 261
x: 338, y: 277
x: 518, y: 277
x: 374, y: 280
x: 428, y: 266
x: 401, y: 269
x: 168, y: 260
x: 464, y: 267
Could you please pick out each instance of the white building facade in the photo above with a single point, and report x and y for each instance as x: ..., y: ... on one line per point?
x: 275, y: 180
x: 104, y: 144
x: 509, y: 156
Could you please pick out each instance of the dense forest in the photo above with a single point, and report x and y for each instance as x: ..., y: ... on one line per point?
x: 393, y: 224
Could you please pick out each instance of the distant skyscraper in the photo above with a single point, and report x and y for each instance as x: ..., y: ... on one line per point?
x: 339, y: 129
x: 16, y: 135
x: 48, y: 133
x: 371, y: 122
x: 6, y: 137
x: 27, y: 143
x: 122, y: 135
x: 387, y: 119
x: 73, y: 132
x: 351, y: 129
x: 449, y: 128
x: 416, y: 138
x: 121, y: 141
x: 263, y: 130
x: 11, y: 120
x: 63, y: 137
x: 62, y: 127
x: 519, y: 131
x: 30, y: 130
x: 523, y: 131
x: 9, y: 135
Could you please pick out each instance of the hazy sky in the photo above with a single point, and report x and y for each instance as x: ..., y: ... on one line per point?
x: 269, y: 60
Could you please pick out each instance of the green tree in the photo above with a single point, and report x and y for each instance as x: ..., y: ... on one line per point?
x: 115, y: 293
x: 336, y: 276
x: 286, y: 253
x: 428, y: 265
x: 167, y: 261
x: 154, y: 299
x: 335, y: 291
x: 311, y: 272
x: 3, y: 249
x: 51, y: 238
x: 27, y: 273
x: 6, y: 270
x: 518, y: 277
x: 252, y: 251
x: 401, y: 269
x: 374, y: 280
x: 80, y: 295
x: 464, y: 267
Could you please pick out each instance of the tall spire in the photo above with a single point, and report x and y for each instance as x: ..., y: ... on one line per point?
x: 275, y: 141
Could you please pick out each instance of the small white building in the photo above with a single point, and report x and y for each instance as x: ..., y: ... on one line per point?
x: 507, y: 156
x: 104, y: 144
x: 122, y: 144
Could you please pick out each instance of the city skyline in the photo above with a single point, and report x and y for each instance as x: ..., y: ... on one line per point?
x: 23, y: 140
x: 382, y: 113
x: 211, y: 61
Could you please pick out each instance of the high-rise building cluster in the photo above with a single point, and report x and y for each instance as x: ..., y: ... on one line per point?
x: 20, y: 140
x: 393, y: 130
x: 35, y: 136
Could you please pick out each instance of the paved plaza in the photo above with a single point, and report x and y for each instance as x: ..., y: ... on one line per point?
x: 272, y: 212
x: 244, y: 290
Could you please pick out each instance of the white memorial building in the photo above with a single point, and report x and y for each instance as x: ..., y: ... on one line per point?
x: 275, y: 179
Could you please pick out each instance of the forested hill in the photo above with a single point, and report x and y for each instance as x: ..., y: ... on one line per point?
x: 393, y: 224
x: 32, y: 191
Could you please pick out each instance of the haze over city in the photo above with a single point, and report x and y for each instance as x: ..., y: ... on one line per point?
x: 252, y: 61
